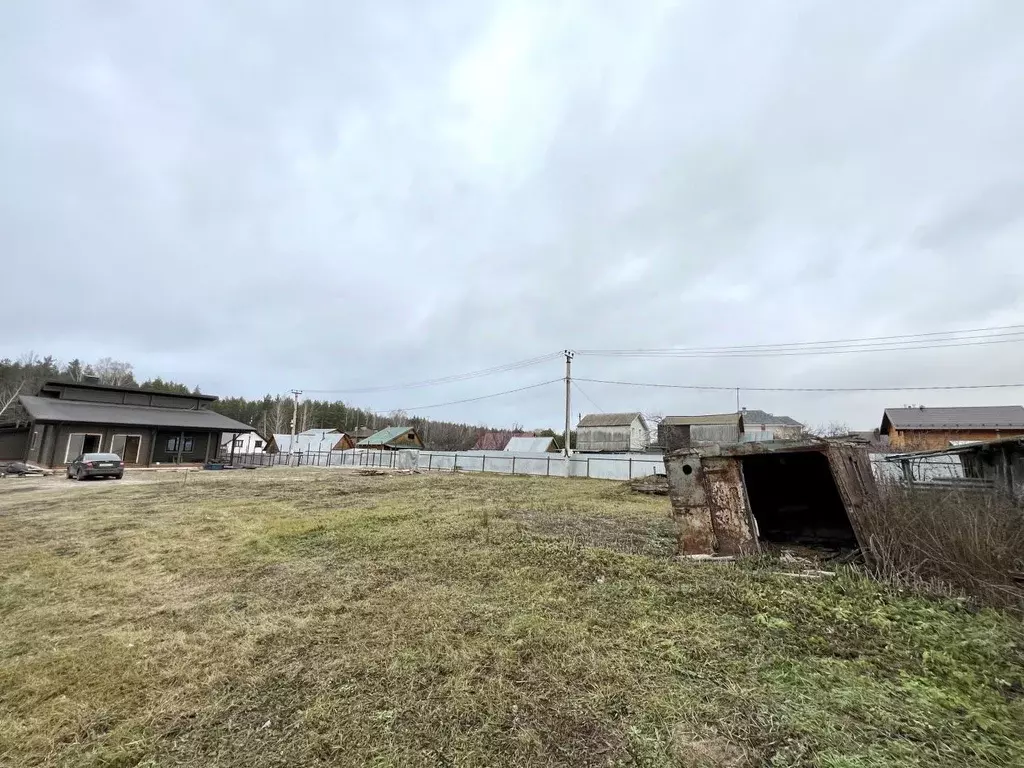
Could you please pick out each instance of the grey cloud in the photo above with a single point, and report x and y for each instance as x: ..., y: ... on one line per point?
x: 331, y: 195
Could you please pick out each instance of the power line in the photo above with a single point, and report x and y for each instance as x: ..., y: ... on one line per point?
x: 936, y: 339
x: 975, y: 342
x: 444, y: 379
x: 801, y: 389
x: 906, y: 336
x: 580, y: 390
x: 472, y: 399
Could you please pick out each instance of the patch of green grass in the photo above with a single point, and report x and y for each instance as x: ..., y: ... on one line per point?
x: 303, y: 617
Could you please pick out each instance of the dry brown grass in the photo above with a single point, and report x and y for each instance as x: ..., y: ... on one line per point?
x: 950, y: 541
x: 304, y: 618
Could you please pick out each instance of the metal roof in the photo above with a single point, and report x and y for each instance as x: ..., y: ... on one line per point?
x: 730, y: 419
x: 530, y: 444
x: 319, y: 433
x: 53, y: 409
x: 753, y: 416
x: 385, y: 436
x: 609, y: 419
x: 310, y: 440
x: 970, y: 417
x: 54, y: 383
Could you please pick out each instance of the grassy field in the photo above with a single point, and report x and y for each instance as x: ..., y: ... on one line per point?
x: 289, y: 617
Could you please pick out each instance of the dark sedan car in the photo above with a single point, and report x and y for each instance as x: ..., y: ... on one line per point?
x: 96, y: 465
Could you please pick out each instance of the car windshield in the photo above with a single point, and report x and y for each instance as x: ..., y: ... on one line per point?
x: 101, y: 457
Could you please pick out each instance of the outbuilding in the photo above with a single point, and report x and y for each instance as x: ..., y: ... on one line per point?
x: 612, y: 433
x: 392, y: 439
x: 143, y: 427
x: 708, y: 429
x: 727, y: 500
x: 923, y: 429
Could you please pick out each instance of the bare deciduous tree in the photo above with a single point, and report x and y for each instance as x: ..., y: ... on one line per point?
x: 115, y: 373
x: 8, y: 394
x: 832, y: 429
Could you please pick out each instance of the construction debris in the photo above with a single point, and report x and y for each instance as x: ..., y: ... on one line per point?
x: 656, y: 485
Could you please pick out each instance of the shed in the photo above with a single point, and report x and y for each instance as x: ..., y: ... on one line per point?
x: 996, y: 465
x: 392, y: 439
x: 727, y: 500
x: 924, y: 428
x: 709, y: 429
x: 779, y: 427
x: 141, y: 426
x: 612, y: 433
x: 532, y: 445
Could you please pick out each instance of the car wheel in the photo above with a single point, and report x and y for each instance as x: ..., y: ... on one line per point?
x: 79, y: 476
x: 118, y: 477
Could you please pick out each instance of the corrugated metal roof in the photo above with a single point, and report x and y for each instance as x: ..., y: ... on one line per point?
x: 609, y: 419
x: 52, y: 409
x: 497, y: 440
x: 55, y: 384
x: 530, y: 444
x: 319, y: 433
x: 753, y: 416
x: 970, y: 417
x: 310, y: 440
x: 730, y: 419
x: 385, y: 436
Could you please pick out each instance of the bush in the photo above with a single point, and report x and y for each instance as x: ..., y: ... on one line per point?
x: 949, y: 540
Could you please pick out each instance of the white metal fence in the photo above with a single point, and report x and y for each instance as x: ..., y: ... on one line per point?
x: 602, y: 466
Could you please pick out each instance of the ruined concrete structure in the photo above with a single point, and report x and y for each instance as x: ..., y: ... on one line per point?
x: 728, y: 499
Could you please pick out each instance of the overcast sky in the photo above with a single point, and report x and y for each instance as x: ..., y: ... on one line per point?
x: 258, y: 195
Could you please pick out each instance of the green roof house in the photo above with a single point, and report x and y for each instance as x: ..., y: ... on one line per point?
x: 392, y: 439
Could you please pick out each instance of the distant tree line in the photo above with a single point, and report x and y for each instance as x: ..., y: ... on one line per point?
x: 271, y: 414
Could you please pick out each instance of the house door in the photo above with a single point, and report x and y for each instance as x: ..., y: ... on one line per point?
x: 79, y: 443
x: 127, y: 447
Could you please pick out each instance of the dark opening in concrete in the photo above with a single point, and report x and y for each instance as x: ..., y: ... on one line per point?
x: 794, y: 499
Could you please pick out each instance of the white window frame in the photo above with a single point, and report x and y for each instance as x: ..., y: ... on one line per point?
x: 67, y: 445
x: 126, y: 436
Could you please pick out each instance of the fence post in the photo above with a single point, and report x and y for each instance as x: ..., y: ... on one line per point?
x: 430, y: 462
x: 456, y: 464
x: 513, y: 465
x: 588, y: 467
x: 483, y: 465
x: 630, y: 467
x: 549, y: 467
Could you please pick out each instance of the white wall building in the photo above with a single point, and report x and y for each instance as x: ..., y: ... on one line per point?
x: 248, y: 442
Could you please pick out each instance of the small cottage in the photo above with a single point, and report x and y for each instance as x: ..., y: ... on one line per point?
x: 392, y: 439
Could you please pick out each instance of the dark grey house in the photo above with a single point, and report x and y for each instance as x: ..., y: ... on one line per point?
x: 144, y: 427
